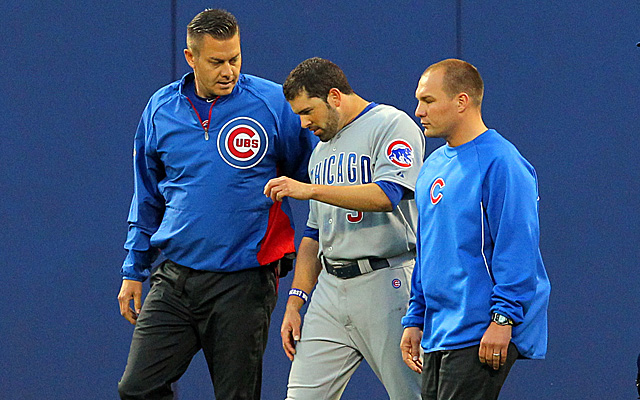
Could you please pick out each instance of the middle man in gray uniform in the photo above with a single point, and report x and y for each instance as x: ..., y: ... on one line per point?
x: 359, y: 245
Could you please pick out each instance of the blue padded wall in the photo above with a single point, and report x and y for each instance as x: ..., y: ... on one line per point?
x: 561, y: 83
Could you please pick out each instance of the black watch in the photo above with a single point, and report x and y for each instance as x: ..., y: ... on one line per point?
x: 501, y: 319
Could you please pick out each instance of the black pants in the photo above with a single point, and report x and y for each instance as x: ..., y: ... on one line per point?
x: 459, y: 375
x: 225, y: 314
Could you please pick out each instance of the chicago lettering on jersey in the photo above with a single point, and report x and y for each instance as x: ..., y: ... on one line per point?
x: 343, y: 168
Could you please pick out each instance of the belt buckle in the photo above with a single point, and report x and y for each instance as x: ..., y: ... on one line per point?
x: 326, y: 263
x: 336, y: 268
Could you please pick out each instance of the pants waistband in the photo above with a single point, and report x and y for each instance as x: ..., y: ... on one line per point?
x: 351, y: 269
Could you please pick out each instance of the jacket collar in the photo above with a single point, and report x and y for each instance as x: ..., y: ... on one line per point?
x: 189, y: 76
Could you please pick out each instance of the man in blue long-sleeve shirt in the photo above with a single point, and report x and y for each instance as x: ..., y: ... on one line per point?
x: 479, y: 288
x: 205, y: 147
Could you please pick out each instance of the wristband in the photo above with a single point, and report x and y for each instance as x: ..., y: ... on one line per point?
x: 299, y: 293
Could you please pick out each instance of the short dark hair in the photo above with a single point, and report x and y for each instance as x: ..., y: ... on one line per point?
x: 460, y: 77
x: 220, y: 24
x: 317, y: 77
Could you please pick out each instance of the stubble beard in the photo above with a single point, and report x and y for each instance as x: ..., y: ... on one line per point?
x: 331, y: 127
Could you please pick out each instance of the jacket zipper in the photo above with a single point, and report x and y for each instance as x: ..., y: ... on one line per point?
x: 206, y: 128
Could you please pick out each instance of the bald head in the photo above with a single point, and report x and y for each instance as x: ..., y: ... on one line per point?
x: 460, y: 77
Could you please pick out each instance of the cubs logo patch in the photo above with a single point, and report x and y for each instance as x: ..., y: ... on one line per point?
x: 242, y: 142
x: 396, y: 283
x: 436, y: 186
x: 400, y: 153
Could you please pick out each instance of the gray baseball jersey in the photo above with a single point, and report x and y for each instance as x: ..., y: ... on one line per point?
x: 382, y: 144
x: 351, y: 319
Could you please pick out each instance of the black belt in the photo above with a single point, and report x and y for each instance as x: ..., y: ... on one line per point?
x: 352, y: 269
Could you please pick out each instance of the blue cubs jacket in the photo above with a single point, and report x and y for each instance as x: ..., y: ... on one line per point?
x: 198, y: 185
x: 478, y: 248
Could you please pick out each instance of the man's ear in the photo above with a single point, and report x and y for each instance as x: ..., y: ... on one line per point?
x: 189, y: 56
x: 464, y: 101
x: 334, y: 97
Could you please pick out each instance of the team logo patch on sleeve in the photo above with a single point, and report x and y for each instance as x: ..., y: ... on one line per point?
x: 396, y: 283
x: 400, y: 153
x: 242, y: 142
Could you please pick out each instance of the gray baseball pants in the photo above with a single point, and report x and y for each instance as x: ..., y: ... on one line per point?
x: 349, y: 320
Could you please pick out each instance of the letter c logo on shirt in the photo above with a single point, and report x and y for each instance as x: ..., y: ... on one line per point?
x: 437, y: 185
x: 243, y: 142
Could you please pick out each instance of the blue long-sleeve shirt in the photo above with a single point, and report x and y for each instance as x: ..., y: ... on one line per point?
x: 198, y: 191
x: 478, y: 248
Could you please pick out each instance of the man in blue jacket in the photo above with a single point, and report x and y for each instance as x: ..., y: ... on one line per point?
x: 479, y: 291
x: 205, y: 147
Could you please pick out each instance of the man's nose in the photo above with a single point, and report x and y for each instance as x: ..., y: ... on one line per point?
x: 226, y: 70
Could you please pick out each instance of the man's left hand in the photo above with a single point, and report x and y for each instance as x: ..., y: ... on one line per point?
x: 494, y: 345
x: 281, y: 187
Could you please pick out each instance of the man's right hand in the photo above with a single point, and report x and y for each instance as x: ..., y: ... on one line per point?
x: 130, y: 290
x: 410, y: 347
x: 290, y: 330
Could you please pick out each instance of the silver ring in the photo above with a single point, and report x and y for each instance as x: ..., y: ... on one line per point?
x: 496, y: 355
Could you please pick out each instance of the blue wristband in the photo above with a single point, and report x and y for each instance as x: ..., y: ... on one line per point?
x: 299, y: 293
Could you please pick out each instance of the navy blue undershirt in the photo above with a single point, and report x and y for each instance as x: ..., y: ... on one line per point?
x: 202, y: 105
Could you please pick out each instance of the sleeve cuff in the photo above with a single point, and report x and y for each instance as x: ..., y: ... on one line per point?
x: 394, y: 191
x: 136, y: 265
x: 312, y: 233
x: 411, y: 321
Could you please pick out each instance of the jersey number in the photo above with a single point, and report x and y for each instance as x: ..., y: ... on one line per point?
x: 354, y: 216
